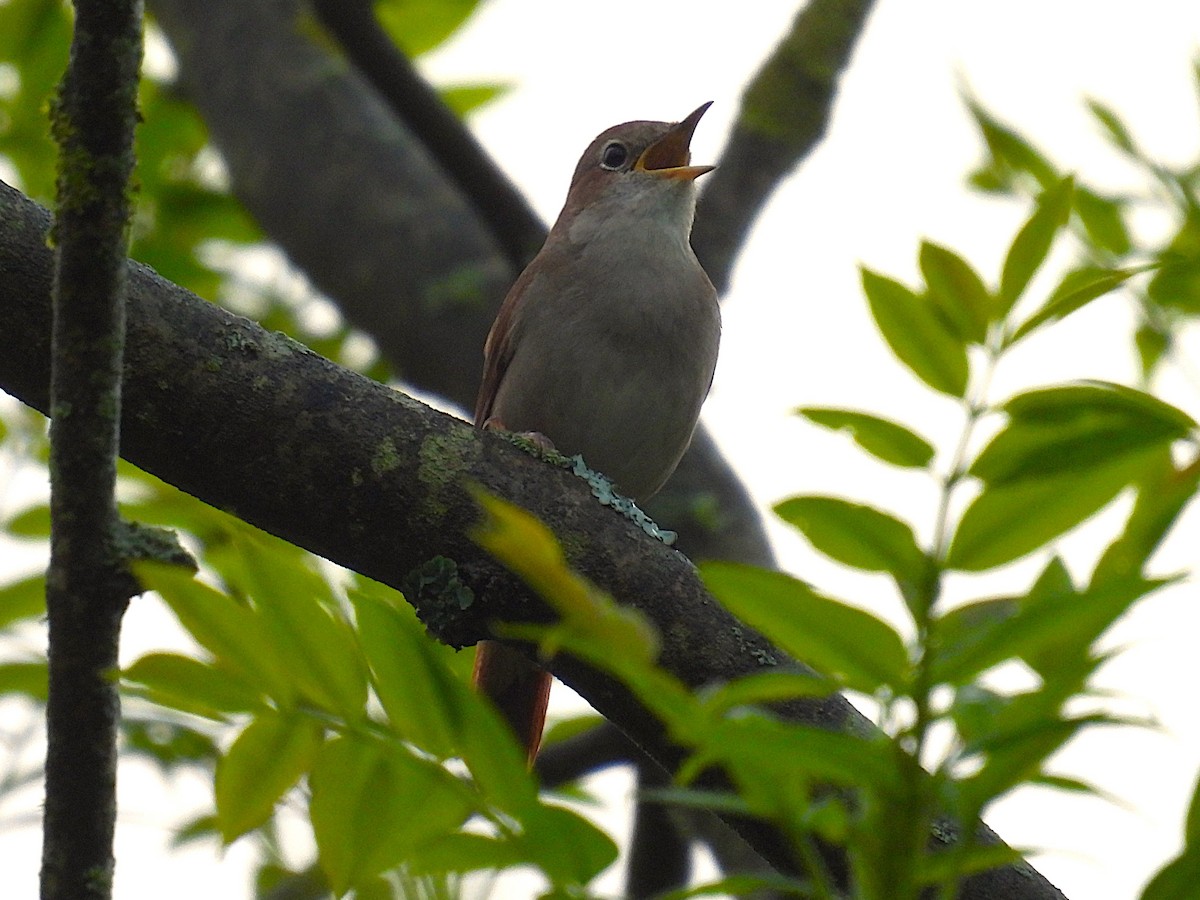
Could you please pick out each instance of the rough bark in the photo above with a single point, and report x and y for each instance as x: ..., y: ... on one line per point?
x: 93, y: 119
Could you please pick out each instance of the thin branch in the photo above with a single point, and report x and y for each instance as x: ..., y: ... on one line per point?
x: 785, y: 111
x: 513, y: 223
x: 585, y: 754
x: 660, y: 853
x: 87, y: 589
x: 254, y: 423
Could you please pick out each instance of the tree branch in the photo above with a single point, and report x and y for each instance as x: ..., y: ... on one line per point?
x: 660, y: 857
x: 87, y: 587
x: 254, y: 423
x: 511, y: 220
x: 785, y: 111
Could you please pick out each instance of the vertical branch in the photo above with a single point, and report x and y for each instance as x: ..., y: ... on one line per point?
x: 93, y: 120
x: 660, y: 854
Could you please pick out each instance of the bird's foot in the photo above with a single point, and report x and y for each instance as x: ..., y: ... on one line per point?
x: 536, y: 438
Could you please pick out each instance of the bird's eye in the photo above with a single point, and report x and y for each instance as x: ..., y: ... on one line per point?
x: 614, y: 155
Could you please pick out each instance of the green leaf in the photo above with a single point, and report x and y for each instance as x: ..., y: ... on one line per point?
x: 1009, y: 520
x: 768, y: 760
x: 32, y: 522
x: 572, y: 727
x: 743, y: 886
x: 1103, y: 219
x: 1088, y: 398
x: 23, y: 599
x: 590, y: 619
x: 1075, y: 291
x: 465, y: 852
x: 1177, y: 284
x: 1032, y: 243
x: 466, y: 98
x: 1011, y: 153
x: 1178, y: 879
x: 1114, y: 128
x: 374, y: 804
x: 882, y: 438
x: 265, y: 761
x: 917, y: 334
x: 430, y: 706
x: 228, y: 630
x: 1044, y: 628
x: 567, y: 847
x: 418, y: 26
x: 765, y: 688
x: 29, y: 678
x: 957, y: 291
x: 1162, y: 495
x: 953, y: 863
x: 1076, y: 427
x: 1153, y: 343
x: 1015, y: 751
x: 859, y: 536
x: 424, y: 702
x: 306, y: 627
x: 192, y: 686
x: 171, y: 745
x: 847, y: 643
x: 199, y: 828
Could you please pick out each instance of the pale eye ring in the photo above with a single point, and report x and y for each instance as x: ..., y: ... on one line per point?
x: 614, y: 155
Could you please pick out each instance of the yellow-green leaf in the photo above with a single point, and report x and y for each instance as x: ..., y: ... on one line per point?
x: 882, y: 438
x: 265, y: 761
x: 857, y: 535
x: 374, y: 803
x: 1032, y: 243
x: 917, y: 334
x: 842, y: 641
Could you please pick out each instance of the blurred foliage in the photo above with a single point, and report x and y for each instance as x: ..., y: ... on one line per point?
x: 314, y: 689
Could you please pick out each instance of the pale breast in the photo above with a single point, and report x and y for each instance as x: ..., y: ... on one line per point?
x: 617, y: 373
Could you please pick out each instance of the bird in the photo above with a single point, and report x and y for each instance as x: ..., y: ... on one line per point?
x: 605, y: 346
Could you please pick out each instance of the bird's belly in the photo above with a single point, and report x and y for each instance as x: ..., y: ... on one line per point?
x: 629, y: 410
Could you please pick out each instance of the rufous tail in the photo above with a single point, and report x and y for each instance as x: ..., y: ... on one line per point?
x: 519, y: 689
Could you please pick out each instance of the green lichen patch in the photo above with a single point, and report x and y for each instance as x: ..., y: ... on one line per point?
x: 445, y: 458
x: 604, y: 491
x: 238, y: 340
x: 386, y: 457
x: 436, y: 591
x: 136, y: 542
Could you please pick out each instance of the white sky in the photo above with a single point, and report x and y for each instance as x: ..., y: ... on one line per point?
x: 890, y: 172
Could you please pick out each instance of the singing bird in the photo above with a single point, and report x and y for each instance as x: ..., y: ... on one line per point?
x: 606, y: 344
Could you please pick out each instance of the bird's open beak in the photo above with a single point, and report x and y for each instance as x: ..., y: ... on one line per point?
x: 668, y: 157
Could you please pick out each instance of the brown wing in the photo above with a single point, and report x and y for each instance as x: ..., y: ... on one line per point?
x: 498, y: 348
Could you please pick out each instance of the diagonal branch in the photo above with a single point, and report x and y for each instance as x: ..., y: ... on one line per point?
x: 512, y: 221
x: 254, y: 423
x: 785, y: 111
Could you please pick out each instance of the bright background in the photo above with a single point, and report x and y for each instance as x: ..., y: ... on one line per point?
x: 890, y: 172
